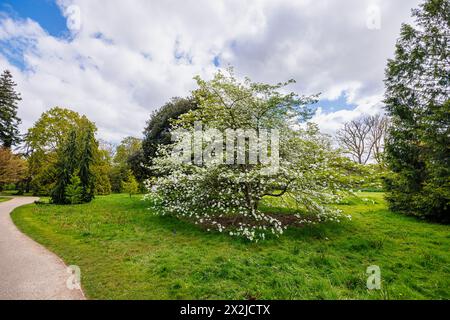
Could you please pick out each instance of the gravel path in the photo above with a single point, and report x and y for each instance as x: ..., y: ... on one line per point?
x: 28, y: 271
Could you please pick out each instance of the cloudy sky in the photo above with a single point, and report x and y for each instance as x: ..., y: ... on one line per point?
x: 116, y: 61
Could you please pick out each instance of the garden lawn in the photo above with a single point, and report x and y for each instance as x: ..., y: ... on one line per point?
x: 3, y: 199
x: 126, y: 252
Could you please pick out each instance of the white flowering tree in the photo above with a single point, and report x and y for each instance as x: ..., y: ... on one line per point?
x: 224, y: 195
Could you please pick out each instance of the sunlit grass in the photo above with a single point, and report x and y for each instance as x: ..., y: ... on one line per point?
x: 126, y: 252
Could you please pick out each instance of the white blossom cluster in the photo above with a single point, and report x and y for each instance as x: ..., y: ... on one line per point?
x: 225, y: 197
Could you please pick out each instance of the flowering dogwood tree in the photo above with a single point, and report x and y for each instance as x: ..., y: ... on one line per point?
x: 224, y: 194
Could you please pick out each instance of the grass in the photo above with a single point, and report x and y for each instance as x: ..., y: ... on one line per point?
x: 125, y: 252
x: 13, y: 193
x: 3, y: 199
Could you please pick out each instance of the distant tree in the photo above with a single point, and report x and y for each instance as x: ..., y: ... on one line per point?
x: 158, y: 127
x: 131, y: 186
x: 363, y: 138
x: 12, y: 167
x: 128, y: 147
x: 377, y: 137
x: 102, y: 170
x: 9, y: 121
x: 136, y: 163
x: 117, y: 176
x: 417, y: 101
x: 103, y: 167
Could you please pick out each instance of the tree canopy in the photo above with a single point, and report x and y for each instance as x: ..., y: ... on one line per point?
x: 208, y: 191
x: 417, y: 100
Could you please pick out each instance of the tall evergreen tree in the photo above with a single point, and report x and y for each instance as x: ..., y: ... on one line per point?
x: 65, y: 167
x: 87, y: 159
x: 417, y: 99
x: 9, y: 121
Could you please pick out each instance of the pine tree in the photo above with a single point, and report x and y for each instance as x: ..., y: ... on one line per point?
x: 65, y: 168
x: 417, y: 100
x: 9, y: 121
x: 87, y: 159
x: 74, y: 191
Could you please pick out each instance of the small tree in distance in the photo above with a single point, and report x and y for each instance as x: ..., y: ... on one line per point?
x: 131, y: 186
x: 363, y: 138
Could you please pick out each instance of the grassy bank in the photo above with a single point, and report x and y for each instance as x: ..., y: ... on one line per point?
x: 3, y: 199
x: 125, y: 252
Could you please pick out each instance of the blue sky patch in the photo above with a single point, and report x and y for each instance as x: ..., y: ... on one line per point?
x: 335, y: 105
x: 45, y: 12
x: 216, y: 61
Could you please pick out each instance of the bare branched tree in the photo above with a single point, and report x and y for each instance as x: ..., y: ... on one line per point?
x: 379, y: 125
x: 363, y: 138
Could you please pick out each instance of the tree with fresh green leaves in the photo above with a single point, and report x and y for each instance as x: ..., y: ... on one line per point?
x: 13, y: 168
x: 417, y: 101
x: 9, y: 121
x: 42, y: 142
x: 127, y: 148
x: 47, y: 136
x: 131, y: 186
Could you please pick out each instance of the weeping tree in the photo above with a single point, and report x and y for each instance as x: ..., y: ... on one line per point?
x: 157, y: 132
x: 417, y: 101
x: 87, y: 159
x: 65, y: 167
x: 75, y: 162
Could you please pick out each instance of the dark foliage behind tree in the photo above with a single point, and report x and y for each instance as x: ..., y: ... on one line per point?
x: 417, y: 99
x: 9, y: 121
x: 157, y: 130
x: 136, y: 163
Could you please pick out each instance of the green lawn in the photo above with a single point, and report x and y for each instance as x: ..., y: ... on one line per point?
x: 3, y: 199
x: 125, y: 252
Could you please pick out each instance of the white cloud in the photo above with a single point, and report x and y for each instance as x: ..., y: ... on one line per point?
x: 330, y: 122
x: 128, y: 58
